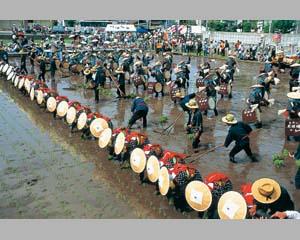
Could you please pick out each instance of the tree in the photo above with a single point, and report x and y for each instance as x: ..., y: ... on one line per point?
x: 282, y: 26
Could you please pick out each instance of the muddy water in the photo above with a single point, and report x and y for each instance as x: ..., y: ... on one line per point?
x: 264, y: 142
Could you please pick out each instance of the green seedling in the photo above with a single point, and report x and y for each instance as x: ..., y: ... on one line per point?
x: 163, y: 119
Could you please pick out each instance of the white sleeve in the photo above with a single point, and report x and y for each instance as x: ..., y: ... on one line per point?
x: 292, y: 214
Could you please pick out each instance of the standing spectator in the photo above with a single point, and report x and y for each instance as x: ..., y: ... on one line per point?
x: 42, y: 69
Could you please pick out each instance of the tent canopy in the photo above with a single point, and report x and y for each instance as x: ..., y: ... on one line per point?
x: 142, y: 30
x: 197, y: 29
x: 120, y: 28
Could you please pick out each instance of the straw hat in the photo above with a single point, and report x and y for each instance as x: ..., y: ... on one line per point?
x: 21, y: 82
x: 71, y: 115
x: 163, y: 181
x: 16, y: 81
x: 229, y: 118
x: 51, y: 104
x: 81, y: 120
x: 119, y: 144
x: 105, y: 138
x: 39, y: 97
x: 232, y: 206
x: 152, y: 169
x: 179, y: 95
x: 198, y: 196
x: 31, y: 94
x: 97, y: 126
x: 62, y: 108
x: 9, y: 70
x: 138, y: 160
x: 158, y: 63
x: 266, y: 190
x: 5, y: 67
x: 192, y: 104
x: 294, y: 95
x: 295, y: 65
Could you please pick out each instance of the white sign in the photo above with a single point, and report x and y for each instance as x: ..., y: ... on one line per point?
x: 120, y: 28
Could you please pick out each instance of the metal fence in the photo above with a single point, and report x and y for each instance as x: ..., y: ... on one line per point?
x: 253, y: 38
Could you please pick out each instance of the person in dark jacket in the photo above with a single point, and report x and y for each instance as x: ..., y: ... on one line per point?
x: 23, y: 62
x: 268, y: 66
x: 3, y: 55
x: 231, y: 63
x: 256, y: 96
x: 53, y: 68
x: 294, y: 73
x: 296, y: 156
x: 293, y: 107
x: 42, y: 69
x: 121, y: 81
x: 140, y: 110
x: 270, y: 197
x: 159, y: 77
x: 99, y: 80
x: 183, y: 103
x: 196, y: 125
x: 211, y: 92
x: 238, y: 132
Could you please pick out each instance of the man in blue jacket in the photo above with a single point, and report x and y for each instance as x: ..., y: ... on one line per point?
x: 140, y: 110
x: 183, y: 103
x: 238, y: 132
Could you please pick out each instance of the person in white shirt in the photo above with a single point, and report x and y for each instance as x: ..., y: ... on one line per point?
x: 286, y: 214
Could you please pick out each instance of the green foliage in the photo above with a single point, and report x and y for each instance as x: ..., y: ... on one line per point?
x: 298, y: 163
x: 247, y: 25
x: 163, y: 119
x: 191, y: 136
x: 282, y: 26
x: 279, y: 158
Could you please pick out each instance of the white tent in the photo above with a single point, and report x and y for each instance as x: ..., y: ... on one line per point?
x: 120, y: 28
x: 197, y: 29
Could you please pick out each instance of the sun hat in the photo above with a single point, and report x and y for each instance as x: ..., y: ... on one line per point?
x: 198, y: 196
x: 294, y: 95
x: 152, y: 168
x: 119, y: 144
x: 232, y: 206
x: 266, y: 190
x: 105, y: 138
x: 97, y: 126
x: 229, y: 118
x: 192, y: 104
x: 138, y: 160
x: 163, y: 181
